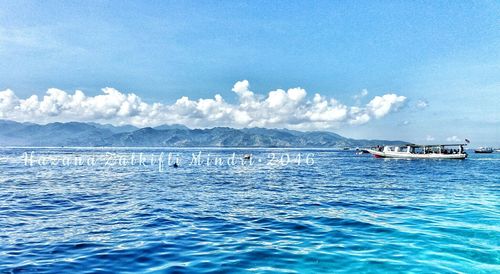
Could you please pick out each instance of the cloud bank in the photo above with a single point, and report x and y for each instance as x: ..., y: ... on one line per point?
x: 278, y: 109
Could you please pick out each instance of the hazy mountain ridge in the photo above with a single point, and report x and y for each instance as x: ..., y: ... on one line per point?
x: 92, y: 134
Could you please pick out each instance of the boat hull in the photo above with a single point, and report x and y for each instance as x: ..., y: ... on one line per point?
x: 405, y: 155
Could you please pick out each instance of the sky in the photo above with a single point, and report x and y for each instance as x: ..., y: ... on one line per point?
x: 420, y: 71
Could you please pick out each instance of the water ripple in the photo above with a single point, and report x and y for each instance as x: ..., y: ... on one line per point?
x: 344, y: 214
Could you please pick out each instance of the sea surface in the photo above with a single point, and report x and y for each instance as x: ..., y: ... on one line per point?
x: 283, y: 211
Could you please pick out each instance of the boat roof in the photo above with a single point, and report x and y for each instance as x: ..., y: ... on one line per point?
x: 435, y: 145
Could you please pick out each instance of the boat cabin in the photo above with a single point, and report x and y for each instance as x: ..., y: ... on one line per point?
x: 426, y: 149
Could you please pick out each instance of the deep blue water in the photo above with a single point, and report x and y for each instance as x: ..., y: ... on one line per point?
x: 342, y: 213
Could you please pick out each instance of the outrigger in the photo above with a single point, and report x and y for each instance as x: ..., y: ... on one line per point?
x: 412, y: 151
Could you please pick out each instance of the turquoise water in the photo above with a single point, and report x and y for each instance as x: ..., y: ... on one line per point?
x: 333, y: 211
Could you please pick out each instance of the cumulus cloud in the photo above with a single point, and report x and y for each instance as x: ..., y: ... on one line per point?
x: 382, y: 105
x: 290, y: 108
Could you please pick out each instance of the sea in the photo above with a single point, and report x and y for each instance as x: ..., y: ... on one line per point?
x: 129, y: 210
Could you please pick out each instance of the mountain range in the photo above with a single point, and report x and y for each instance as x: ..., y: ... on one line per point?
x: 93, y: 134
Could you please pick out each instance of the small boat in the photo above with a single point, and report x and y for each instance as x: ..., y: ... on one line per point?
x: 247, y: 156
x: 483, y: 150
x: 412, y: 151
x: 346, y: 148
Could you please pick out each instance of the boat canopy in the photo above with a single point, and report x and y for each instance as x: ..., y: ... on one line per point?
x: 440, y: 145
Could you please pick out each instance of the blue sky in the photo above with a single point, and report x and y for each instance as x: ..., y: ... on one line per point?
x: 444, y: 55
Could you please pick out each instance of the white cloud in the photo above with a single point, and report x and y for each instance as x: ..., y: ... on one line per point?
x: 382, y: 105
x: 8, y: 100
x: 360, y: 95
x: 453, y: 139
x: 421, y: 104
x: 279, y: 108
x: 429, y: 138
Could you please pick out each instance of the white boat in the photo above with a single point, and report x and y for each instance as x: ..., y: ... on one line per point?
x: 483, y: 150
x: 412, y: 151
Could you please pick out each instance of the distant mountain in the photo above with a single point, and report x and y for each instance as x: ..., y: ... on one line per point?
x: 174, y: 126
x: 115, y: 129
x: 92, y: 134
x: 53, y: 134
